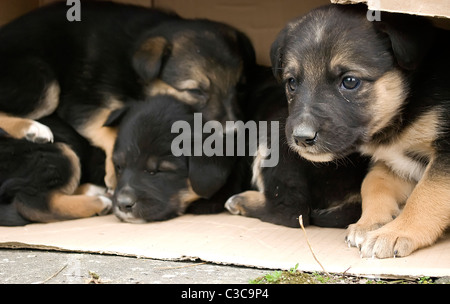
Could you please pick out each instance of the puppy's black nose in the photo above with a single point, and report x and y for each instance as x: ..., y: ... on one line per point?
x: 125, y: 202
x: 307, y: 139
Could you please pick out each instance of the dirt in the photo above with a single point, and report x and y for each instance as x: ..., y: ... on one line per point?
x: 298, y: 277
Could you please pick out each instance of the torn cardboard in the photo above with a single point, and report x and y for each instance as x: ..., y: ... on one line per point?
x: 225, y: 239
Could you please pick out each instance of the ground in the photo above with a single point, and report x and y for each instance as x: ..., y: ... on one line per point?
x: 51, y: 267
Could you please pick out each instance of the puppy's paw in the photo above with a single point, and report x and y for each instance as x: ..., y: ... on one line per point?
x: 100, y: 195
x: 234, y: 204
x: 38, y: 133
x: 107, y: 205
x: 385, y: 243
x: 248, y: 203
x: 357, y: 233
x: 92, y: 190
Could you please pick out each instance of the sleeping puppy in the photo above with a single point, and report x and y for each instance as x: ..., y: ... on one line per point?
x: 154, y: 182
x: 40, y: 182
x: 117, y: 53
x: 326, y: 195
x: 381, y: 89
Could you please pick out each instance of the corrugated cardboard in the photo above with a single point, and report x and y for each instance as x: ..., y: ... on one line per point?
x: 261, y: 20
x: 225, y: 239
x: 432, y: 8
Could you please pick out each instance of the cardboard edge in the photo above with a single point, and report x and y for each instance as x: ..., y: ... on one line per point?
x: 376, y: 5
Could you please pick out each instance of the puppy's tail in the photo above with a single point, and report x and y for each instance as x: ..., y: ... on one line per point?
x: 339, y: 216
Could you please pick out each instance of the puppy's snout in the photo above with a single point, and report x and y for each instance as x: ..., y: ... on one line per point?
x: 305, y: 136
x: 125, y: 201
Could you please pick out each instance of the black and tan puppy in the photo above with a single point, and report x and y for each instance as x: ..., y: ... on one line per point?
x: 85, y: 70
x: 156, y: 183
x: 381, y: 89
x: 326, y: 195
x: 40, y: 182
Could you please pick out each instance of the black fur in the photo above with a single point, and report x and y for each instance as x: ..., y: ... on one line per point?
x: 102, y: 57
x: 342, y: 117
x: 29, y: 172
x: 318, y: 192
x: 381, y: 89
x: 148, y: 190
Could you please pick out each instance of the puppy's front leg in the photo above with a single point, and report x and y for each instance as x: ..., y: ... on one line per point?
x: 422, y: 221
x: 382, y: 191
x: 103, y: 138
x: 25, y: 128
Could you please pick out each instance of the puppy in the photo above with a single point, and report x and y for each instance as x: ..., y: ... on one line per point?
x: 326, y: 195
x: 40, y: 182
x: 380, y: 89
x: 85, y: 70
x: 154, y: 182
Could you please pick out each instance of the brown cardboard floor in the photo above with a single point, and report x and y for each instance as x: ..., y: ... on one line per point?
x: 224, y: 239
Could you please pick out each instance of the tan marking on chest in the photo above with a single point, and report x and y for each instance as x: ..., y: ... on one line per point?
x: 417, y: 138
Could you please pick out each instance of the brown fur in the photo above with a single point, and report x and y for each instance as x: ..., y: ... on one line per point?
x: 15, y: 126
x: 397, y: 113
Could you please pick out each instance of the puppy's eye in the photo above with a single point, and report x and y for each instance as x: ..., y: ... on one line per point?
x: 197, y: 92
x: 350, y: 83
x: 292, y: 84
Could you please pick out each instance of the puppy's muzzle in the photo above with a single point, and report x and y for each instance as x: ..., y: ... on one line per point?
x: 305, y: 136
x: 125, y: 200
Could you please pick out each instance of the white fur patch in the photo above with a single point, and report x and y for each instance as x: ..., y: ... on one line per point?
x: 38, y: 132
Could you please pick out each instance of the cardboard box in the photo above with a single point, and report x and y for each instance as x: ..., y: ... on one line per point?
x: 261, y: 20
x: 224, y: 238
x: 431, y: 8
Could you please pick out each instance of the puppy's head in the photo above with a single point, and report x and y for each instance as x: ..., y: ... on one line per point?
x: 154, y: 184
x: 202, y: 63
x: 344, y: 77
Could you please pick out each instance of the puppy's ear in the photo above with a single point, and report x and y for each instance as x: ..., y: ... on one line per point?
x: 410, y: 37
x: 150, y: 56
x: 276, y: 54
x: 116, y: 117
x: 208, y: 174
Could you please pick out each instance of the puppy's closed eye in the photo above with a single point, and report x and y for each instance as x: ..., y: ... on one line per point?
x: 167, y: 166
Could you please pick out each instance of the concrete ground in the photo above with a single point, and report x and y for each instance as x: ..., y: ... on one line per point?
x: 50, y: 267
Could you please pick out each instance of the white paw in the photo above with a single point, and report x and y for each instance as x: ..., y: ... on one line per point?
x: 39, y: 133
x: 107, y: 205
x: 94, y: 190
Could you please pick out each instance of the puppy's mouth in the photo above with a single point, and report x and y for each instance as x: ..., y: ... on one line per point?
x: 312, y: 154
x: 317, y: 153
x: 128, y: 217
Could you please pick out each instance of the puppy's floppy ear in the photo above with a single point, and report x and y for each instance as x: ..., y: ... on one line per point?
x: 116, y: 117
x: 410, y: 37
x: 150, y: 56
x: 208, y: 174
x: 276, y: 54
